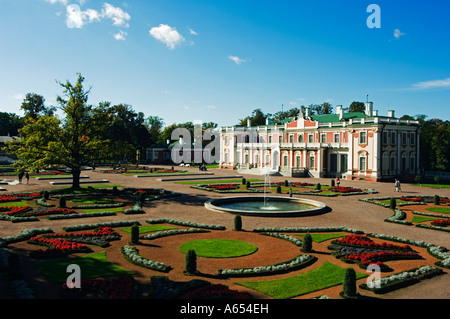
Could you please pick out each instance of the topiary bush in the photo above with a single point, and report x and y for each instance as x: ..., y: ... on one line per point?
x: 392, y: 203
x: 349, y: 286
x: 244, y: 181
x: 191, y: 262
x: 437, y: 200
x: 318, y: 187
x: 134, y: 235
x: 46, y: 195
x: 62, y: 202
x: 278, y: 189
x: 238, y: 223
x: 307, y: 243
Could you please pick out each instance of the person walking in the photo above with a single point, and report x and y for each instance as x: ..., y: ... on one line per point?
x: 397, y: 185
x: 27, y: 177
x: 290, y: 192
x: 338, y: 181
x: 20, y: 177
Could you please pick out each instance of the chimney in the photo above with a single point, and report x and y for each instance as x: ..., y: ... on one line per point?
x: 375, y: 113
x: 307, y: 112
x: 339, y: 111
x: 249, y: 122
x: 391, y: 113
x: 369, y: 107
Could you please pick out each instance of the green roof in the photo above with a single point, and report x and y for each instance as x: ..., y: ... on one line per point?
x: 327, y: 118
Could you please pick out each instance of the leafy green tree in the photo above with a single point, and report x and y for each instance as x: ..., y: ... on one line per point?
x: 33, y: 106
x: 357, y: 107
x: 257, y: 118
x: 154, y: 126
x: 10, y: 123
x: 72, y: 141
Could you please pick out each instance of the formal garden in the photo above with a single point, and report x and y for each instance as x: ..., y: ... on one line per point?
x: 164, y: 258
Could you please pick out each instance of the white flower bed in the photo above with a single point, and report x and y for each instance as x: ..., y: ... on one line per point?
x: 309, y: 229
x: 132, y: 255
x: 24, y: 235
x: 293, y: 264
x: 296, y: 241
x: 183, y: 223
x: 173, y: 232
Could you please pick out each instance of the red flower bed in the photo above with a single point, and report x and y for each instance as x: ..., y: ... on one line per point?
x: 366, y: 242
x: 17, y: 211
x: 445, y: 200
x: 56, y: 211
x: 215, y: 291
x: 4, y: 199
x: 341, y: 189
x: 57, y: 247
x: 223, y: 187
x: 411, y: 199
x: 441, y: 222
x: 302, y: 184
x: 119, y: 288
x: 376, y: 258
x: 101, y: 231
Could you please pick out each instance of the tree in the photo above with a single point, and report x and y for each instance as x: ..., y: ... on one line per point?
x: 73, y: 141
x: 191, y: 262
x: 154, y: 126
x: 357, y: 107
x: 33, y: 106
x: 320, y: 109
x: 307, y: 243
x: 257, y: 118
x: 349, y: 286
x: 10, y: 124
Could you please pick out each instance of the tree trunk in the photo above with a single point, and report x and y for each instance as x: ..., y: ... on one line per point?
x: 76, y: 172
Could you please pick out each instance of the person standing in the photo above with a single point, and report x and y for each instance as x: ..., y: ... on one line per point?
x: 338, y: 181
x: 397, y: 185
x: 27, y: 177
x: 20, y: 177
x: 290, y: 192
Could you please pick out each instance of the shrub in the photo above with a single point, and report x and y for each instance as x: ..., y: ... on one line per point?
x: 46, y: 195
x: 238, y: 223
x: 307, y: 243
x: 115, y: 191
x: 436, y: 200
x: 191, y: 262
x: 134, y: 235
x: 349, y: 286
x: 248, y: 184
x: 392, y: 203
x: 278, y: 189
x: 244, y: 181
x: 286, y: 183
x: 417, y: 179
x: 332, y: 183
x: 318, y: 186
x: 62, y: 202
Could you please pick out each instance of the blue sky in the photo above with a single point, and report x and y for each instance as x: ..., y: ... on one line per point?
x: 217, y: 60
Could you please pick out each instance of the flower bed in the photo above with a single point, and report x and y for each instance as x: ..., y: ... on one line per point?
x: 6, y: 198
x: 377, y: 258
x: 417, y: 199
x: 56, y: 211
x: 185, y: 223
x: 119, y: 288
x: 366, y: 242
x: 223, y: 187
x: 441, y: 222
x: 56, y: 247
x: 132, y: 255
x: 341, y: 189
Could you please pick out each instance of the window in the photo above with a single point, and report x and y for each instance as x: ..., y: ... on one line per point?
x: 285, y: 160
x: 310, y: 138
x: 226, y: 157
x: 363, y: 138
x: 298, y: 161
x: 385, y: 138
x: 336, y: 138
x: 226, y: 139
x: 323, y: 138
x: 312, y: 163
x: 280, y: 139
x: 393, y: 138
x: 412, y: 164
x: 291, y: 138
x: 404, y: 138
x: 300, y: 138
x: 267, y: 159
x: 412, y: 139
x: 362, y: 163
x: 270, y: 139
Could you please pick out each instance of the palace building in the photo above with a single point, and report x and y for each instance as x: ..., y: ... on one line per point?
x: 349, y: 145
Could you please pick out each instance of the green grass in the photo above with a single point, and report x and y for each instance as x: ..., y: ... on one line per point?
x: 82, y: 190
x: 433, y: 185
x: 15, y: 204
x: 219, y: 248
x: 147, y: 229
x: 101, y: 210
x: 319, y: 238
x: 442, y: 210
x: 94, y: 265
x: 421, y: 219
x: 92, y: 200
x: 327, y: 275
x: 217, y: 181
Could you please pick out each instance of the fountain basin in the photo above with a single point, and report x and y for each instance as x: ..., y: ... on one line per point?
x: 267, y: 206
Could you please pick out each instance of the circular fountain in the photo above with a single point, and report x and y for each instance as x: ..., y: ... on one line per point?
x: 267, y: 206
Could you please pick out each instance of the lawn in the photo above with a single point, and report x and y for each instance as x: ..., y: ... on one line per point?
x: 433, y: 185
x: 92, y: 200
x: 219, y: 248
x: 101, y: 210
x: 442, y: 210
x: 217, y: 181
x: 327, y: 275
x: 148, y: 229
x: 22, y: 203
x: 94, y: 265
x: 319, y: 238
x: 421, y: 219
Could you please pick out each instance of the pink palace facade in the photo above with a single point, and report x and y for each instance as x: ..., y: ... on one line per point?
x: 349, y: 145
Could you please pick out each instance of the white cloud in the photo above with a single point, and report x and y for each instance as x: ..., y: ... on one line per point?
x: 211, y: 107
x: 236, y: 59
x: 434, y: 84
x: 193, y: 32
x: 398, y: 33
x: 77, y: 18
x: 120, y: 36
x: 116, y: 14
x: 64, y: 2
x: 167, y: 35
x: 18, y: 96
